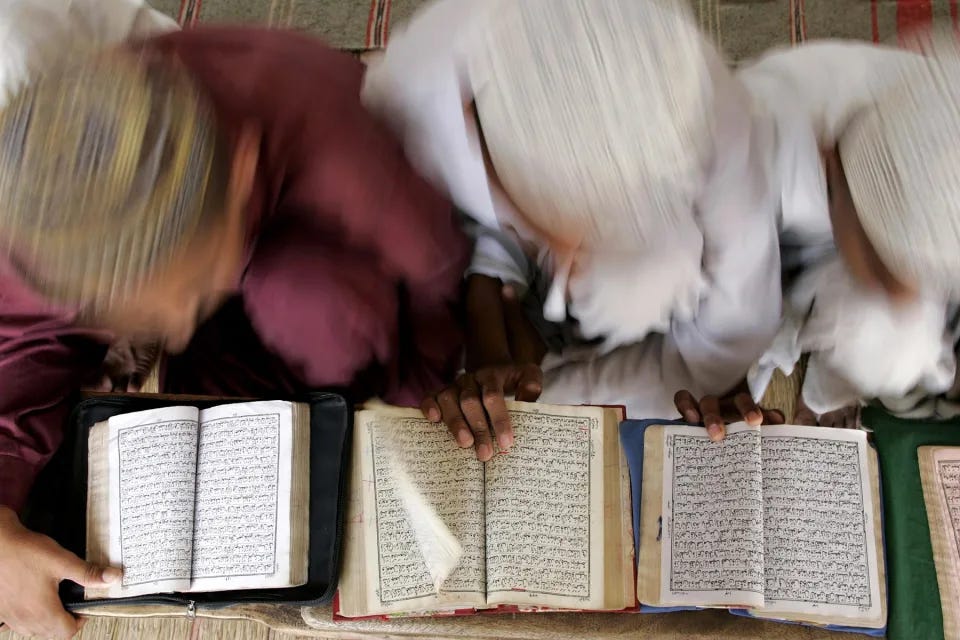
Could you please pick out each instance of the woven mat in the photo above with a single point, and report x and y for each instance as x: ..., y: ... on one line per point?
x: 743, y: 27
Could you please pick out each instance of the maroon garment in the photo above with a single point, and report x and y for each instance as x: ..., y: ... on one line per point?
x: 354, y: 263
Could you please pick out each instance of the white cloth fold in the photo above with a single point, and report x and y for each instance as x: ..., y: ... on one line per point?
x: 37, y: 34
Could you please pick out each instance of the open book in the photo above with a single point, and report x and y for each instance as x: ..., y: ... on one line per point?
x: 190, y: 500
x: 546, y: 525
x: 940, y: 477
x: 783, y: 521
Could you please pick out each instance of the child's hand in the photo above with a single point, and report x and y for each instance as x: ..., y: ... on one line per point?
x: 475, y: 405
x: 31, y: 568
x: 842, y: 418
x: 716, y: 412
x: 128, y: 364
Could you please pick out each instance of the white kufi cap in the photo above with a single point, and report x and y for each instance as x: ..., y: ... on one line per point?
x: 596, y: 114
x: 901, y: 157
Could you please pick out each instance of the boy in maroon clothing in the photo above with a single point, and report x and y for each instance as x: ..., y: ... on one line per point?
x: 221, y: 191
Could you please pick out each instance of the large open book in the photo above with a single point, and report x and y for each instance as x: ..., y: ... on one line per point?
x: 191, y: 500
x: 940, y: 477
x: 783, y: 521
x: 546, y: 525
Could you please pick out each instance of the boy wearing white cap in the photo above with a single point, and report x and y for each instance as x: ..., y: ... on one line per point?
x: 870, y: 235
x: 605, y: 146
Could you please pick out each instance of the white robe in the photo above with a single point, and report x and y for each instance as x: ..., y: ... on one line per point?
x: 36, y: 34
x: 729, y: 262
x: 861, y: 346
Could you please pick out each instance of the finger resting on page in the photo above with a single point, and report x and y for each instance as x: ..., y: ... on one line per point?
x: 449, y: 401
x: 472, y: 407
x: 687, y: 405
x: 748, y: 410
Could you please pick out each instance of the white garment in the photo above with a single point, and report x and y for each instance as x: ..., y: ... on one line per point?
x: 722, y: 305
x: 36, y: 34
x: 860, y: 345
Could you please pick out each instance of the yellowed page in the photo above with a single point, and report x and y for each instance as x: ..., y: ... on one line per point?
x: 396, y: 576
x: 940, y: 476
x: 880, y: 620
x: 712, y: 534
x: 98, y: 504
x: 243, y: 538
x: 300, y: 496
x: 357, y: 595
x: 440, y: 549
x: 648, y: 565
x: 620, y: 585
x: 545, y: 510
x: 152, y: 482
x: 823, y: 546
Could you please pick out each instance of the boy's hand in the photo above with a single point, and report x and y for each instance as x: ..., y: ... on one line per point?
x: 128, y: 364
x: 503, y: 355
x: 716, y: 412
x: 31, y: 568
x: 475, y: 404
x: 842, y: 418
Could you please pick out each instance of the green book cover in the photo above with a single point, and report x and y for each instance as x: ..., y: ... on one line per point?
x: 914, y: 596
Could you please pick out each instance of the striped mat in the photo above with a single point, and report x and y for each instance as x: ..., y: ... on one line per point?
x: 743, y: 27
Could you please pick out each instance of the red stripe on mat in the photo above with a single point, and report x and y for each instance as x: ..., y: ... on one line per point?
x: 386, y: 24
x: 378, y: 21
x: 793, y: 22
x: 913, y: 14
x: 803, y: 21
x: 954, y: 14
x: 196, y: 13
x: 368, y: 39
x: 875, y: 20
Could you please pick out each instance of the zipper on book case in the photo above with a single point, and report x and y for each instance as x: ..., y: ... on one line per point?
x: 191, y: 609
x: 134, y: 600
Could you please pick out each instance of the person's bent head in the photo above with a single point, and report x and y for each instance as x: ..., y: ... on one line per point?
x: 596, y: 115
x: 598, y: 121
x: 119, y: 196
x: 894, y: 180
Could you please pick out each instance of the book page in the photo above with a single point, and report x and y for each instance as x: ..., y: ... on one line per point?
x: 450, y: 480
x: 242, y: 523
x: 98, y: 503
x: 940, y: 476
x: 544, y: 503
x: 651, y: 520
x: 712, y: 506
x: 440, y: 549
x: 152, y: 483
x: 819, y: 540
x: 620, y: 588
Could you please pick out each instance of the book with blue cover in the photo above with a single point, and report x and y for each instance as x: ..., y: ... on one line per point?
x: 777, y: 522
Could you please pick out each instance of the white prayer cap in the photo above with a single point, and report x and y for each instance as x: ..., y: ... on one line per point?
x: 901, y: 157
x: 596, y: 113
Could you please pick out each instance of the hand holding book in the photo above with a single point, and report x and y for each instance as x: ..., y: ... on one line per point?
x: 31, y: 567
